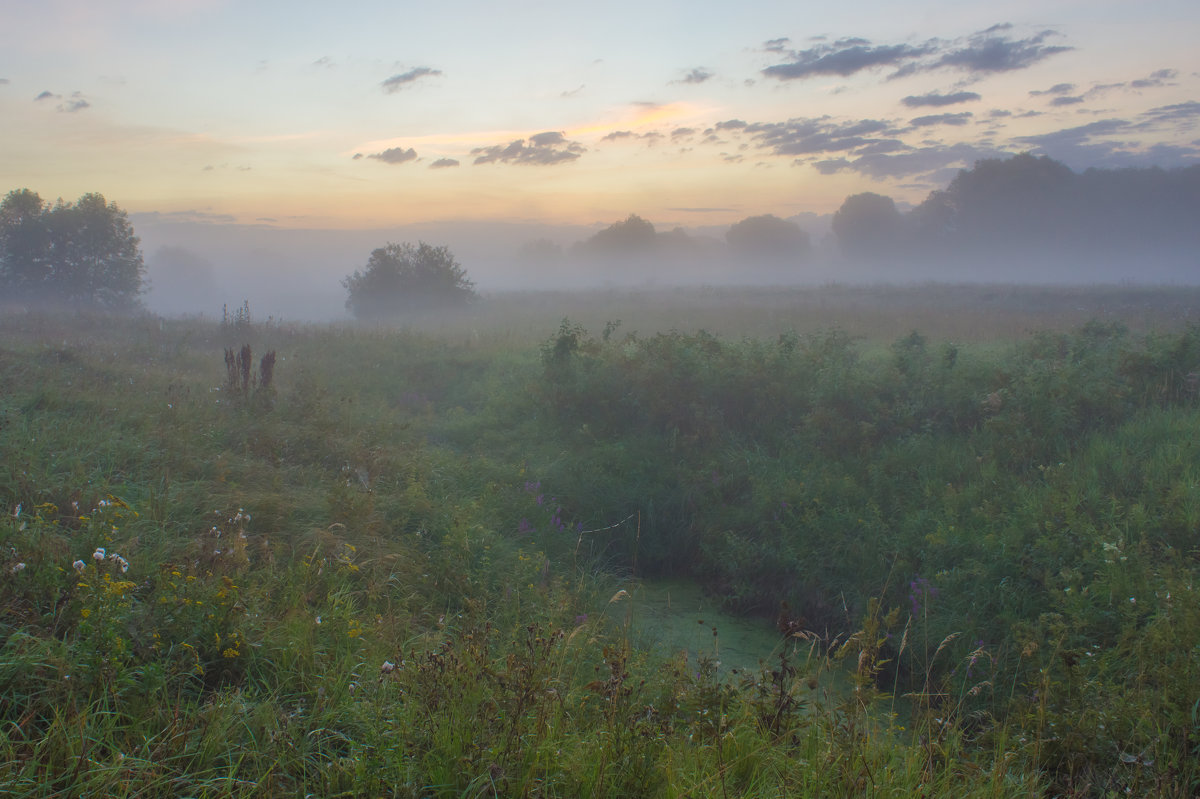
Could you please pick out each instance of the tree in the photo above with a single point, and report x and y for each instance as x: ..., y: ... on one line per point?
x: 24, y: 245
x: 633, y: 236
x: 868, y: 226
x: 767, y: 237
x: 403, y: 278
x: 76, y: 255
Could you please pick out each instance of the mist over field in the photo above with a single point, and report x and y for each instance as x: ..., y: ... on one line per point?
x: 1021, y: 220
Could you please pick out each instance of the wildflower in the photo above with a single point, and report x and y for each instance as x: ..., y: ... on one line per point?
x: 387, y: 668
x: 17, y: 568
x: 79, y: 565
x: 99, y: 554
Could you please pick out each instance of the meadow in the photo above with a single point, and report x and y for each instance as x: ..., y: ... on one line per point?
x: 248, y: 558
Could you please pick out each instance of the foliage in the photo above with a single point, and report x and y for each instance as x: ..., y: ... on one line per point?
x: 82, y: 255
x: 417, y: 574
x: 868, y: 225
x: 768, y: 236
x: 403, y: 278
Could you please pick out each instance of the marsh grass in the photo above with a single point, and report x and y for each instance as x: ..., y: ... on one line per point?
x: 391, y: 579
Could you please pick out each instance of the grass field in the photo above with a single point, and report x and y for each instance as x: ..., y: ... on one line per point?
x: 403, y: 561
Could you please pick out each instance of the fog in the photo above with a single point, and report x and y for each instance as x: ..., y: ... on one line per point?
x: 1018, y: 220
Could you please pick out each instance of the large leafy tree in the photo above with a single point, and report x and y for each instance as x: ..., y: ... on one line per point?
x: 402, y: 278
x: 81, y: 254
x: 868, y: 226
x: 768, y: 237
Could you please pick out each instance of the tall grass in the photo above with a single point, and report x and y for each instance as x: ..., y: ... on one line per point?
x: 391, y: 578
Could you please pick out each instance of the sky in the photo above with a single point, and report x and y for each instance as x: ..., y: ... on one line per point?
x: 367, y: 114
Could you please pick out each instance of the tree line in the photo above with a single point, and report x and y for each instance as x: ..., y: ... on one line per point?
x: 1023, y: 209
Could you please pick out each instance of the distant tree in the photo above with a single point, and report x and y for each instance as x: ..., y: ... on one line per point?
x: 402, y: 278
x: 868, y: 226
x: 633, y: 235
x: 79, y: 255
x: 768, y: 237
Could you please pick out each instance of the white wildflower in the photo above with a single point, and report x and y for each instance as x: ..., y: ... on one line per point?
x: 79, y: 565
x: 99, y: 554
x: 17, y: 568
x: 387, y: 668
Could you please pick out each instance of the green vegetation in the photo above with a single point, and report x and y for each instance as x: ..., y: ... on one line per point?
x: 260, y: 560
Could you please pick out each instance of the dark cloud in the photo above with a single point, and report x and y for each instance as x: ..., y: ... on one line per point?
x: 844, y: 57
x: 1113, y: 143
x: 941, y: 119
x: 395, y: 155
x: 619, y: 134
x: 931, y: 161
x: 1160, y: 77
x: 1061, y: 101
x: 1179, y: 112
x: 938, y: 100
x: 807, y: 136
x: 47, y: 95
x: 1058, y: 88
x: 357, y: 156
x: 989, y: 51
x: 543, y: 149
x: 680, y: 133
x: 730, y: 124
x: 779, y: 45
x: 999, y: 112
x: 695, y: 76
x: 397, y: 82
x: 444, y: 163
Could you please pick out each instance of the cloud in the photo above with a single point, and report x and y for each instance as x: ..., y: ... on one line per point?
x: 806, y: 136
x: 543, y: 149
x: 988, y: 52
x: 844, y: 57
x: 680, y: 133
x: 397, y: 82
x: 1160, y: 77
x: 443, y: 163
x: 941, y: 119
x: 616, y: 135
x: 779, y: 45
x: 930, y: 161
x: 395, y: 155
x: 75, y: 102
x: 1058, y: 88
x: 573, y: 92
x: 698, y: 75
x: 991, y: 50
x: 324, y: 61
x: 47, y: 95
x: 936, y: 99
x: 4, y: 81
x: 1179, y: 112
x: 1061, y: 101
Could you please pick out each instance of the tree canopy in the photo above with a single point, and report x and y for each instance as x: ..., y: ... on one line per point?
x: 402, y: 278
x: 81, y: 254
x: 767, y: 237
